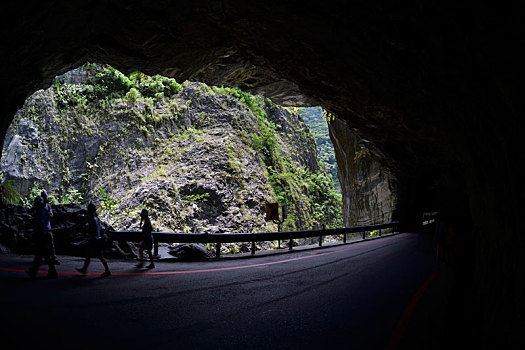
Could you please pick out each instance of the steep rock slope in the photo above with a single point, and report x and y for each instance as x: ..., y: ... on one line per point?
x: 200, y: 158
x: 369, y: 189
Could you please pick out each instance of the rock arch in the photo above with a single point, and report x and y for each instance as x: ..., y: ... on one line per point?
x: 434, y: 90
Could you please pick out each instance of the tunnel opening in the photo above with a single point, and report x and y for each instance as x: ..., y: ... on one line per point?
x: 128, y: 142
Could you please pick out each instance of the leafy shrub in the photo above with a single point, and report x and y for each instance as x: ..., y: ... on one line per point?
x: 107, y: 204
x: 109, y: 82
x: 265, y: 142
x: 156, y: 86
x: 132, y: 95
x: 255, y: 103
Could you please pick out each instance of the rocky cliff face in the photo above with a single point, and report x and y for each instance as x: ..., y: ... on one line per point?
x: 203, y: 159
x: 369, y: 195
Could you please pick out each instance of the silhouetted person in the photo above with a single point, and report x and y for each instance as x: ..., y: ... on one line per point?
x: 47, y: 208
x: 96, y: 242
x: 42, y: 250
x: 147, y: 239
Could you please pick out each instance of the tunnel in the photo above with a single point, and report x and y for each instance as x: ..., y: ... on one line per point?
x: 433, y: 90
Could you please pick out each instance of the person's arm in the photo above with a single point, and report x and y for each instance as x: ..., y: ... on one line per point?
x: 141, y: 236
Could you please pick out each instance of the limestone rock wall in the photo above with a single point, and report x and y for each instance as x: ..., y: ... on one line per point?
x: 200, y: 160
x: 367, y: 187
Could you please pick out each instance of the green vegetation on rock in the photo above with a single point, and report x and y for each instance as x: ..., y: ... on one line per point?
x: 201, y: 158
x: 317, y: 120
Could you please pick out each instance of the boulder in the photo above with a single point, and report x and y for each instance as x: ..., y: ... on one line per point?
x: 68, y: 226
x: 190, y: 252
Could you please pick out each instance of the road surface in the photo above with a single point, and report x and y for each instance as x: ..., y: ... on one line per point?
x: 339, y: 297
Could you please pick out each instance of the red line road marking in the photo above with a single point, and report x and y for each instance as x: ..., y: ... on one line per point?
x: 402, y: 325
x: 221, y: 268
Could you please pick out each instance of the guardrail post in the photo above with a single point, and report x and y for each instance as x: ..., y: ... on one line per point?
x: 279, y: 229
x: 155, y: 248
x: 290, y: 244
x: 217, y: 250
x: 253, y: 248
x: 379, y: 232
x: 344, y: 237
x: 364, y: 233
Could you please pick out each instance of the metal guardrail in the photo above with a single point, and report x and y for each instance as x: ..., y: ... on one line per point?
x: 218, y: 238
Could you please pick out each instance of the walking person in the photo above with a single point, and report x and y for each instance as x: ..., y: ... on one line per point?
x: 96, y: 242
x: 49, y: 211
x: 42, y: 249
x: 147, y: 239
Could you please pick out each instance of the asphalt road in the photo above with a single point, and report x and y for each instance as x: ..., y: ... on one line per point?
x: 340, y: 297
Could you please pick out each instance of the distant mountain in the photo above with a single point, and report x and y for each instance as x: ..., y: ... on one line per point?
x: 313, y: 117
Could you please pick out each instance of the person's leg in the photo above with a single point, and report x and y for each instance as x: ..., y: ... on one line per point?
x: 40, y: 253
x: 84, y: 268
x: 32, y: 271
x: 152, y: 264
x: 87, y: 260
x: 141, y: 256
x: 51, y: 272
x: 105, y: 263
x: 52, y: 248
x: 100, y: 250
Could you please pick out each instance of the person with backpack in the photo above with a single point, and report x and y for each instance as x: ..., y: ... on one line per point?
x: 147, y: 239
x: 49, y: 213
x: 96, y: 242
x: 40, y: 231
